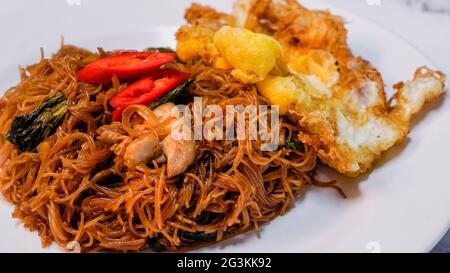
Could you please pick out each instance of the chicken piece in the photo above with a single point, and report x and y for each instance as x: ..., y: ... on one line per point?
x: 169, y: 118
x: 179, y: 147
x: 179, y: 153
x: 142, y: 150
x: 167, y: 111
x: 111, y: 134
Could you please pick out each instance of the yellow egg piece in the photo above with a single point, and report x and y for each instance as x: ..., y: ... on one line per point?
x: 195, y: 42
x: 221, y: 63
x: 282, y: 91
x: 253, y: 56
x: 318, y: 63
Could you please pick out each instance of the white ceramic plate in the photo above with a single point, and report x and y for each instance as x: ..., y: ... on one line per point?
x: 402, y: 206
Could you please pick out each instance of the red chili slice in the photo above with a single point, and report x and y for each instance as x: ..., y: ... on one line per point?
x: 125, y: 65
x: 147, y: 89
x: 137, y: 89
x: 117, y: 114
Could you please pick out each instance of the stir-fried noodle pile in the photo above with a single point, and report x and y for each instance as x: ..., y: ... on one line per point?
x: 75, y: 189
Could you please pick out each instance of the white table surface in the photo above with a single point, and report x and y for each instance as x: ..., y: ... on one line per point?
x: 423, y: 23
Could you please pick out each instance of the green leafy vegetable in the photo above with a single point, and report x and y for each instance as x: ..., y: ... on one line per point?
x: 295, y: 146
x: 160, y: 244
x: 111, y: 181
x: 198, y: 236
x: 159, y: 49
x: 174, y: 95
x: 27, y: 131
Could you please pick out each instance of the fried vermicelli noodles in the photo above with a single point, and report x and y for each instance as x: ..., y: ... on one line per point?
x: 76, y: 190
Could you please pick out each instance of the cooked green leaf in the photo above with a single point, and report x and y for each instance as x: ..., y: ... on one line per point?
x: 160, y: 49
x: 198, y: 236
x: 110, y: 181
x: 295, y: 145
x: 28, y: 130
